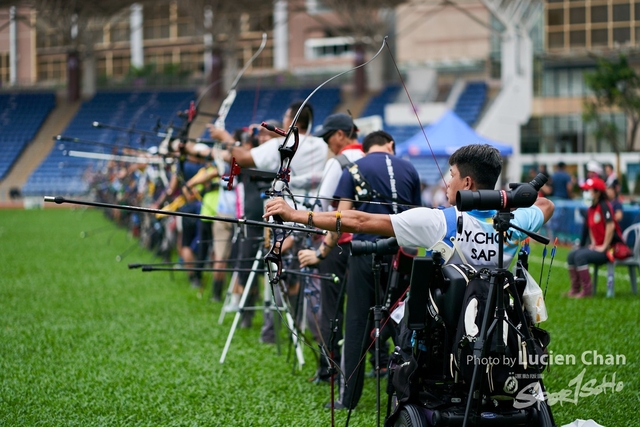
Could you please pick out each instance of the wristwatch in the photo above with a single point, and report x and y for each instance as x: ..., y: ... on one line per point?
x: 319, y: 254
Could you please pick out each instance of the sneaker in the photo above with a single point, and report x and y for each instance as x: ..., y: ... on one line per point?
x: 231, y: 308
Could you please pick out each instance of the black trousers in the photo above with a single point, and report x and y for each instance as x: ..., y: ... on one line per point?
x: 361, y: 297
x: 332, y: 304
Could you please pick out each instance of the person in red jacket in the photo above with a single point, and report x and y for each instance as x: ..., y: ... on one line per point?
x: 604, y: 231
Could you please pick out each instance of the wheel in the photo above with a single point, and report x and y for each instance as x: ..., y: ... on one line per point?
x: 410, y: 416
x: 545, y: 419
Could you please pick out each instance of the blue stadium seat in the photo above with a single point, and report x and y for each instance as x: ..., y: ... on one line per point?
x: 471, y: 102
x: 21, y: 116
x: 143, y: 110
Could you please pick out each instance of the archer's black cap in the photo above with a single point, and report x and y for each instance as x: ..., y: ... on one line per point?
x: 336, y: 122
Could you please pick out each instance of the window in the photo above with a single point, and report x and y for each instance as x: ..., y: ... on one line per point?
x: 530, y: 136
x: 5, y: 71
x: 52, y: 69
x: 316, y: 6
x: 621, y: 13
x: 120, y: 32
x: 577, y: 15
x: 186, y: 27
x: 101, y: 66
x: 578, y: 38
x: 192, y: 61
x: 599, y: 14
x: 599, y: 37
x: 556, y: 40
x: 121, y: 64
x: 160, y: 62
x: 564, y: 82
x: 328, y: 47
x: 555, y: 17
x: 157, y: 20
x: 622, y: 35
x: 49, y: 38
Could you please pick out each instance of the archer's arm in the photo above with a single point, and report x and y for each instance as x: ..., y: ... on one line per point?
x: 546, y: 206
x: 351, y: 221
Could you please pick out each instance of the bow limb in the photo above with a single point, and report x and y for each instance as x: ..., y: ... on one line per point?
x: 280, y: 186
x: 223, y: 111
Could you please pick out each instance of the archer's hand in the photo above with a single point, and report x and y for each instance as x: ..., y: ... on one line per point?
x: 307, y: 257
x: 219, y: 134
x: 278, y: 206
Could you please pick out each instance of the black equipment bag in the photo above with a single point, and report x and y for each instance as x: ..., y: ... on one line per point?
x: 505, y: 374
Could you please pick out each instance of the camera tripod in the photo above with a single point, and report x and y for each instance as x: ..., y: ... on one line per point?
x: 269, y: 306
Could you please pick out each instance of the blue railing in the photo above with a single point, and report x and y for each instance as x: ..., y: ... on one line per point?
x: 568, y: 219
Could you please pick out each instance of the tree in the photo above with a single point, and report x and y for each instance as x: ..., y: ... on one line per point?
x: 365, y: 21
x: 224, y: 30
x: 615, y: 85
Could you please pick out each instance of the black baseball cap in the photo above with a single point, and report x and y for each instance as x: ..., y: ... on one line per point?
x: 334, y: 122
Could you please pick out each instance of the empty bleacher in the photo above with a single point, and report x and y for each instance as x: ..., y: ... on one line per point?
x: 471, y: 101
x: 255, y: 105
x: 21, y: 115
x: 375, y: 107
x: 60, y: 174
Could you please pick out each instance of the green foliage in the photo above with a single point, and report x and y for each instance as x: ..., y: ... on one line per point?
x: 615, y: 84
x: 85, y: 341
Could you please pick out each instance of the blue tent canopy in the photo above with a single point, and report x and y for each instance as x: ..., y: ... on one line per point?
x: 446, y: 136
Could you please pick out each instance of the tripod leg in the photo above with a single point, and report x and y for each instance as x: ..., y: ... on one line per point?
x: 479, y: 350
x: 243, y: 300
x: 254, y: 267
x: 291, y: 325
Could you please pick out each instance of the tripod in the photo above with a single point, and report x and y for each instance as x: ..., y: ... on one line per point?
x: 268, y: 299
x: 227, y: 306
x: 495, y: 307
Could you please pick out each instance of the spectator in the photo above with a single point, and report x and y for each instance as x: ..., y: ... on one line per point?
x: 611, y: 178
x: 562, y: 182
x: 594, y: 169
x: 603, y: 232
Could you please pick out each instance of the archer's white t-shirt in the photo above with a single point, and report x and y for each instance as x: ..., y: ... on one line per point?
x: 478, y: 241
x: 306, y: 166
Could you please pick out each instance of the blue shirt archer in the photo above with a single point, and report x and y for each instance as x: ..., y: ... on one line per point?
x: 388, y: 175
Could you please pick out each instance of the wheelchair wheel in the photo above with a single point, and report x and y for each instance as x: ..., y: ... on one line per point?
x: 545, y: 419
x: 410, y: 416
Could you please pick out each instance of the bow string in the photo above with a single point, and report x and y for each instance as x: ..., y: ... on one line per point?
x: 280, y: 185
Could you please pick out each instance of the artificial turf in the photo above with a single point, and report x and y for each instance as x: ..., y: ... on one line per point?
x: 86, y: 341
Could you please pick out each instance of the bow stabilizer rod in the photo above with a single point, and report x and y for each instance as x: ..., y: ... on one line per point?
x: 60, y: 200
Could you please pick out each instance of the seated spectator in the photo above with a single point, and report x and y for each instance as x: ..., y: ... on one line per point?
x: 603, y: 230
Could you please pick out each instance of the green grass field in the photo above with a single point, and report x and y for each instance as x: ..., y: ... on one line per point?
x: 86, y: 341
